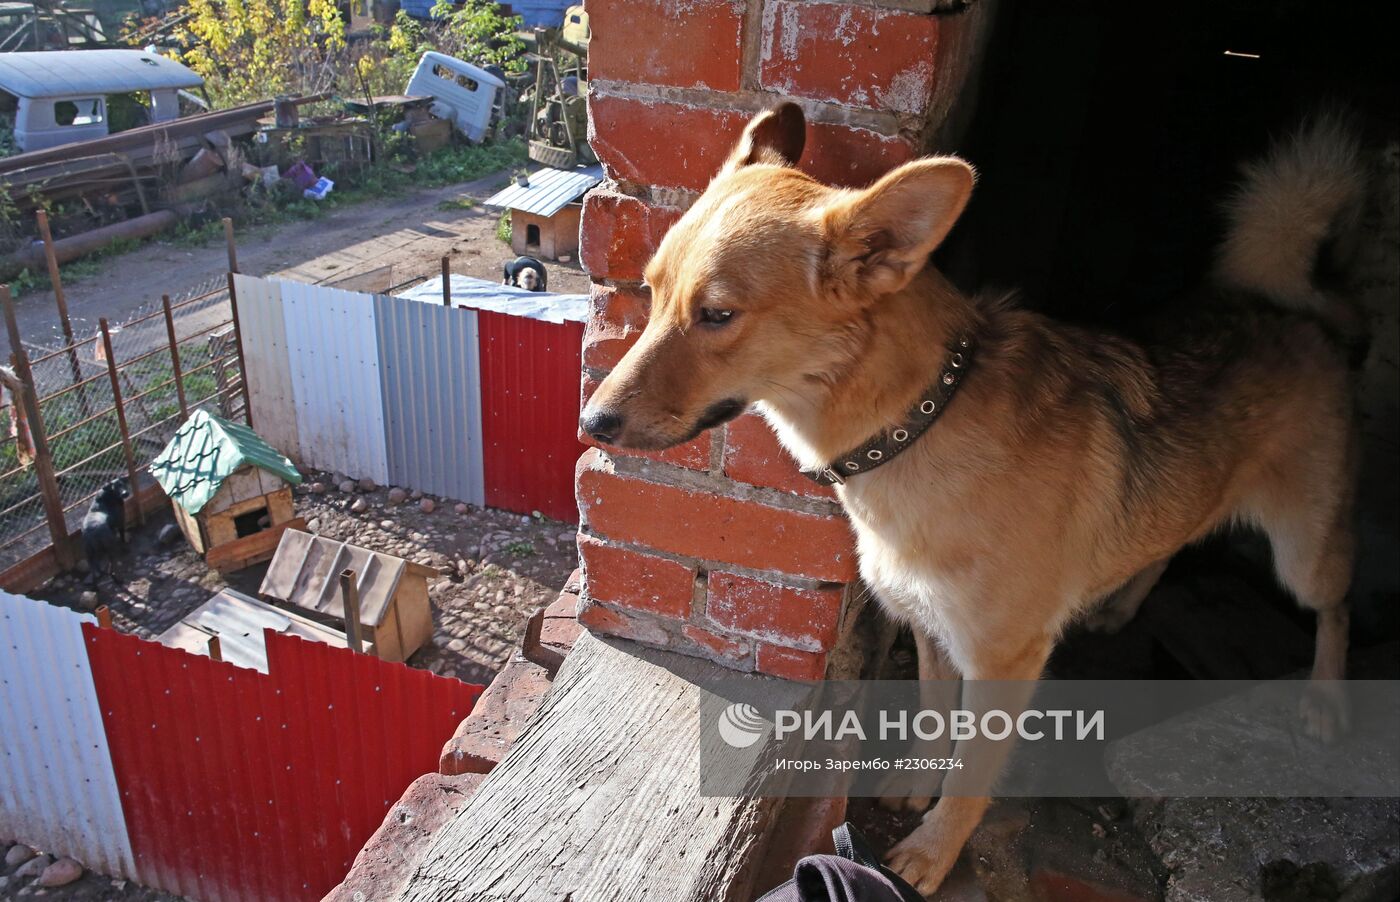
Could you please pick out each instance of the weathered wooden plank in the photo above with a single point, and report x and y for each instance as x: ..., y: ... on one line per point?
x: 599, y: 799
x: 249, y: 550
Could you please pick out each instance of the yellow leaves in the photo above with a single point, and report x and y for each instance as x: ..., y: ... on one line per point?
x: 252, y: 49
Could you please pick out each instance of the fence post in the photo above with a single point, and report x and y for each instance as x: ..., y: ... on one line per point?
x: 350, y: 596
x: 46, y: 235
x: 446, y: 283
x: 238, y: 343
x: 43, y: 462
x: 175, y: 358
x: 232, y: 248
x: 216, y: 650
x: 121, y: 418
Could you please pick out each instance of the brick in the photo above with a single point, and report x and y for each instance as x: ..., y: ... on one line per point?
x: 803, y: 828
x: 852, y: 157
x: 619, y: 233
x: 639, y: 41
x: 860, y: 56
x: 616, y: 319
x: 789, y: 663
x: 388, y: 859
x: 753, y: 454
x: 713, y: 527
x: 560, y: 628
x: 693, y: 455
x: 484, y: 737
x: 637, y: 140
x: 631, y: 579
x: 599, y: 618
x: 799, y: 618
x: 725, y: 649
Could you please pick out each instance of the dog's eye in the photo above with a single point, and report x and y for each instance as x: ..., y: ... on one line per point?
x: 714, y: 316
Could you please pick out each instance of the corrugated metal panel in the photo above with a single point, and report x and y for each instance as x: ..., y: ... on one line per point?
x: 57, y: 787
x: 530, y: 403
x: 334, y: 358
x: 247, y: 786
x: 268, y: 368
x: 432, y: 397
x: 548, y: 191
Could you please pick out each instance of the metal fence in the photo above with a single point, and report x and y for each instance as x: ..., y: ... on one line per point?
x: 77, y: 416
x: 199, y: 777
x: 474, y: 405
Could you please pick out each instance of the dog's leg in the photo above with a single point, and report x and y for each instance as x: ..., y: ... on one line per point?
x: 938, y: 687
x: 1314, y: 544
x: 1122, y: 605
x: 925, y: 856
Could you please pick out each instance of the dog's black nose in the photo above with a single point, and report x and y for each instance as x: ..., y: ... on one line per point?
x: 602, y: 425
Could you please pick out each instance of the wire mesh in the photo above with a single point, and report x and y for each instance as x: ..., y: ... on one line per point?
x: 77, y: 405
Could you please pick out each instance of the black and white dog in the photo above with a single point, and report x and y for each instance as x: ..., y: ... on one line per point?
x: 525, y: 272
x: 104, y: 526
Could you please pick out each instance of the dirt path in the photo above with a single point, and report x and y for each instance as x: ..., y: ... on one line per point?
x: 368, y: 246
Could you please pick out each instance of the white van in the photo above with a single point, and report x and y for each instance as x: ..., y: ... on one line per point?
x: 461, y: 92
x: 62, y: 96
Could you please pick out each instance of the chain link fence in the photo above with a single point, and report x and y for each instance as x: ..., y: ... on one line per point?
x: 108, y: 404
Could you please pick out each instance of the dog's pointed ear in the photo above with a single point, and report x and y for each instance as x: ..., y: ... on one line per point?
x: 880, y: 237
x: 774, y: 136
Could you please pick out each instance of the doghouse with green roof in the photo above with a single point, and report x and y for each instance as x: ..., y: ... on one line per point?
x: 232, y: 491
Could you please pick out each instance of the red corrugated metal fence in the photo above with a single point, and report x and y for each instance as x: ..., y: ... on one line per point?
x: 530, y: 404
x: 238, y: 785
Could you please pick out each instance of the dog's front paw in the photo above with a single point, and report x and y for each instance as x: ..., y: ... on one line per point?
x: 921, y: 860
x: 1325, y: 710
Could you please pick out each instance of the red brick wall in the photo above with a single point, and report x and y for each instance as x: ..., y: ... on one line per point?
x: 719, y: 547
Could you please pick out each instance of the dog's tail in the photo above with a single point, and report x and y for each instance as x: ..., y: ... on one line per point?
x: 1294, y: 212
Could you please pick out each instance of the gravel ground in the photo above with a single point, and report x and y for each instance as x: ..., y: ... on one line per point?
x: 501, y: 566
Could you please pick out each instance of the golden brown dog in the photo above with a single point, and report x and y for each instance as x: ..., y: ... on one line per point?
x: 1070, y: 465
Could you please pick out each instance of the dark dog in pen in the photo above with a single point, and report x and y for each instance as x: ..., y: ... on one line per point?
x: 104, y: 527
x: 525, y: 272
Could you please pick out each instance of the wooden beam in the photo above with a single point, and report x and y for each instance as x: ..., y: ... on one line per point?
x: 65, y: 553
x: 350, y: 599
x: 608, y: 771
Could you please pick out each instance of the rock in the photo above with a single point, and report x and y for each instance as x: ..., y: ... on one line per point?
x: 568, y: 536
x: 416, y: 495
x: 4, y: 882
x: 386, y: 524
x: 18, y: 854
x: 81, y: 566
x: 427, y: 505
x: 367, y: 485
x: 61, y: 873
x: 314, y: 524
x: 461, y: 507
x: 457, y: 645
x: 33, y: 867
x: 359, y: 506
x: 317, y: 488
x: 347, y: 486
x: 397, y: 495
x: 88, y: 601
x: 169, y: 534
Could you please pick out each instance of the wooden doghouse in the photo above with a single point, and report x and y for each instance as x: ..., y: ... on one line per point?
x: 544, y: 212
x: 393, y: 592
x: 232, y: 491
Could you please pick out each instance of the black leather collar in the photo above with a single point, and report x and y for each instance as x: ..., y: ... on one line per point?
x: 888, y: 445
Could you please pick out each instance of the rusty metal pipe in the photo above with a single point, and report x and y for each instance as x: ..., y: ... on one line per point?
x: 74, y: 246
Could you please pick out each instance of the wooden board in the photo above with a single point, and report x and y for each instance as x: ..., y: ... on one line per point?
x: 249, y: 550
x: 598, y: 800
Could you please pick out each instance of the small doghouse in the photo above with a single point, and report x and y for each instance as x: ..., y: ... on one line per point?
x: 232, y: 491
x: 545, y: 209
x: 393, y: 592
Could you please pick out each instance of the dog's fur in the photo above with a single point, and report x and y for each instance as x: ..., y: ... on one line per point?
x: 104, y: 526
x: 525, y: 272
x: 1071, y: 465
